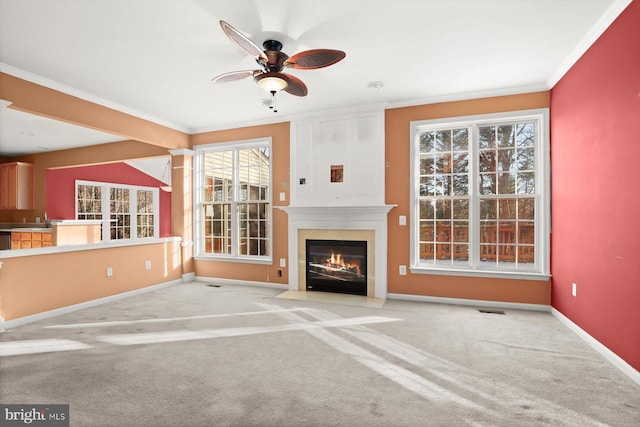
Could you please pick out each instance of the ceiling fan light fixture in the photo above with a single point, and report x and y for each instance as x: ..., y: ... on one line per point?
x: 271, y: 82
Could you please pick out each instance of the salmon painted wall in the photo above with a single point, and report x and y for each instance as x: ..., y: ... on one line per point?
x: 397, y: 153
x: 280, y: 136
x: 595, y: 149
x: 60, y: 189
x: 67, y: 278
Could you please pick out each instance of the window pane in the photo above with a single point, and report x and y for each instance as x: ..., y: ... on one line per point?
x: 506, y: 183
x: 525, y: 135
x: 460, y: 185
x: 461, y: 209
x: 426, y: 142
x: 461, y: 162
x: 507, y: 160
x: 427, y: 210
x: 526, y: 254
x: 460, y: 139
x: 443, y: 231
x: 461, y: 231
x: 443, y: 209
x: 526, y: 232
x: 443, y: 140
x: 487, y: 136
x: 526, y: 183
x: 427, y: 231
x: 507, y: 232
x: 488, y: 231
x: 487, y: 161
x: 505, y: 136
x: 426, y: 251
x: 526, y: 208
x: 461, y: 252
x: 488, y: 183
x: 507, y: 208
x: 526, y: 159
x: 488, y: 209
x: 426, y: 165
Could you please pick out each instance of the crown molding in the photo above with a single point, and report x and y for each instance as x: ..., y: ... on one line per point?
x: 516, y: 90
x: 51, y: 84
x: 588, y: 40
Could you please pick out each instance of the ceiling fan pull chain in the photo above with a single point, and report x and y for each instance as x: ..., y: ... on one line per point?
x: 273, y: 101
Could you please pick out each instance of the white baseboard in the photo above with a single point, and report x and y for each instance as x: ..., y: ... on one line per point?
x: 242, y: 282
x: 470, y: 302
x: 80, y: 306
x: 189, y: 277
x: 609, y: 355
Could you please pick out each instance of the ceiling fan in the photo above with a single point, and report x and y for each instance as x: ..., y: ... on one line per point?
x: 273, y: 62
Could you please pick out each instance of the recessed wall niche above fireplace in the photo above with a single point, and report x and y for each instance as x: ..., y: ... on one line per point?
x: 336, y: 266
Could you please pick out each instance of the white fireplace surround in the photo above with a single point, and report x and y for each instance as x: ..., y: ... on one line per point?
x: 366, y: 218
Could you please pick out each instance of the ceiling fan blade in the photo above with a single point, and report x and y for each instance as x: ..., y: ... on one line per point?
x: 295, y: 86
x: 235, y: 75
x: 243, y: 42
x: 315, y: 58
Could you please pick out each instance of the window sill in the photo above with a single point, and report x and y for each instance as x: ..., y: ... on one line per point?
x: 245, y: 260
x: 522, y: 275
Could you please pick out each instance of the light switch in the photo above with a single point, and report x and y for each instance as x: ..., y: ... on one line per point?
x: 402, y: 220
x: 283, y: 262
x: 283, y: 196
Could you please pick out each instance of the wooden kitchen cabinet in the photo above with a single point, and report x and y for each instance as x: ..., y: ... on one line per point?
x: 16, y: 186
x: 30, y: 239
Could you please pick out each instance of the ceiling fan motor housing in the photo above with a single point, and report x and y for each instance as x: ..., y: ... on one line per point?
x: 275, y: 57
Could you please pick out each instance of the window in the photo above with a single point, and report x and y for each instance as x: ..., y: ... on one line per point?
x: 481, y: 194
x: 126, y: 212
x: 233, y: 200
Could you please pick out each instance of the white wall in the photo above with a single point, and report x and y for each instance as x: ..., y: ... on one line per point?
x: 354, y: 140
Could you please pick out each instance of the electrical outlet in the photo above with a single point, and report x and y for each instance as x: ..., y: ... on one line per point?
x: 403, y: 270
x: 283, y: 262
x: 147, y: 265
x: 574, y: 289
x: 109, y: 271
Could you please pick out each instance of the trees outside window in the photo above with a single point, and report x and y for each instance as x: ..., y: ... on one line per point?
x: 480, y: 189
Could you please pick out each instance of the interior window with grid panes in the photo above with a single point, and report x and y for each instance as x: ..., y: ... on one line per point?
x: 478, y: 196
x: 235, y: 201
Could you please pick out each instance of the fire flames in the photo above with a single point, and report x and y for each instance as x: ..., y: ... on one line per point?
x: 338, y: 262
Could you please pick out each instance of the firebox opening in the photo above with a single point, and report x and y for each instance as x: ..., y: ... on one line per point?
x: 337, y: 266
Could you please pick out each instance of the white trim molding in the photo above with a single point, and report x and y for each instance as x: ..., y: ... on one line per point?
x: 235, y: 282
x: 470, y: 302
x: 609, y: 355
x: 601, y: 25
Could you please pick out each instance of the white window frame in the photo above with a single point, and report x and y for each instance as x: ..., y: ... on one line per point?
x: 106, y: 214
x: 198, y: 175
x: 540, y: 269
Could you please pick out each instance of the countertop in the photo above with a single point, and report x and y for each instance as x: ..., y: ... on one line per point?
x: 9, y: 230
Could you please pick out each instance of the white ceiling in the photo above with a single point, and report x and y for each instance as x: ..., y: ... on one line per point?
x: 155, y: 59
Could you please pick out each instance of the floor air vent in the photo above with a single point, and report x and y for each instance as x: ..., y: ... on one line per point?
x: 490, y: 311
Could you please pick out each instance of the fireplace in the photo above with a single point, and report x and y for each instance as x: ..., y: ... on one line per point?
x: 339, y: 223
x: 336, y: 266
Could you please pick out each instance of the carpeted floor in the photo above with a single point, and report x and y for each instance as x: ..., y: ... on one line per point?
x: 197, y: 355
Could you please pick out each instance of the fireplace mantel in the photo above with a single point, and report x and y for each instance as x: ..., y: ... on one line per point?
x: 364, y: 212
x: 329, y: 219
